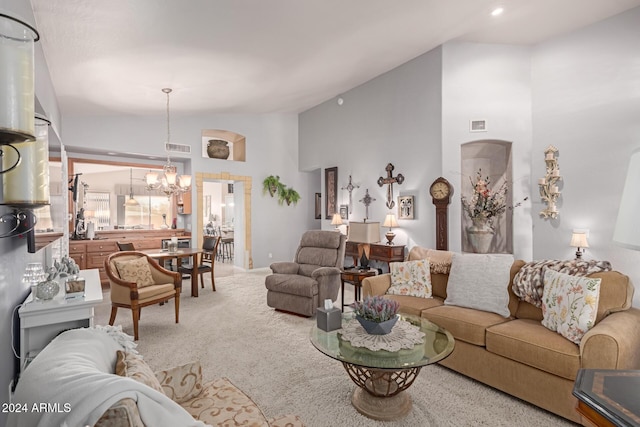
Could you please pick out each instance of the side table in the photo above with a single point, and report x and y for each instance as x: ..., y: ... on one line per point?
x: 355, y: 277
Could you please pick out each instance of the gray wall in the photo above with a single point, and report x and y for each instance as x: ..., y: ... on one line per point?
x: 586, y: 93
x: 394, y: 118
x: 271, y: 148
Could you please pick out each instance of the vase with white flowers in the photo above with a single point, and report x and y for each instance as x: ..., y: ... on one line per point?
x: 483, y: 207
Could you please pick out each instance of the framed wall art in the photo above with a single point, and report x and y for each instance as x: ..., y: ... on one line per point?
x: 344, y: 212
x: 318, y: 206
x: 331, y: 190
x: 405, y: 207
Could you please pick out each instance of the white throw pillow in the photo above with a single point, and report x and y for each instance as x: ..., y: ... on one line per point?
x: 480, y: 281
x: 412, y: 278
x: 569, y: 304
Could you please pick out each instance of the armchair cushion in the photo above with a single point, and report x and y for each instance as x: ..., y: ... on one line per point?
x: 285, y: 267
x: 135, y: 270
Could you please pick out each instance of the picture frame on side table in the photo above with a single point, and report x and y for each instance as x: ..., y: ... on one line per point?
x: 344, y: 212
x: 406, y: 207
x: 318, y: 210
x: 331, y: 190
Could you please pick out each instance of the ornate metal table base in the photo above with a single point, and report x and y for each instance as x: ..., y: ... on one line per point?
x: 380, y: 394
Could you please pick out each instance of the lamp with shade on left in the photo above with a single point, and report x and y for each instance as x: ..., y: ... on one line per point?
x: 579, y: 241
x: 337, y: 221
x: 390, y: 221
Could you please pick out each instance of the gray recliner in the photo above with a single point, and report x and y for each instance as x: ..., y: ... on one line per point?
x: 302, y: 286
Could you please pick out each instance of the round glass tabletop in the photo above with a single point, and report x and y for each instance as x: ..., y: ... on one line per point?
x: 437, y: 344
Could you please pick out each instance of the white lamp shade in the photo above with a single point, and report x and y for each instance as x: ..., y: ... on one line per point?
x: 185, y: 181
x: 151, y: 178
x: 336, y: 220
x: 390, y: 221
x: 171, y: 177
x: 364, y: 232
x: 627, y: 232
x: 579, y: 240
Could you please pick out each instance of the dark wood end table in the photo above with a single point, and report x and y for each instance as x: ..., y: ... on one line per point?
x: 355, y: 276
x: 608, y: 397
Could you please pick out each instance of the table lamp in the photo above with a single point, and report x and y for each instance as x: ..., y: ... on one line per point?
x: 390, y: 221
x: 337, y: 221
x: 579, y: 240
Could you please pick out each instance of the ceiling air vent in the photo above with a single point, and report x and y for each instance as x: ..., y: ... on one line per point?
x: 177, y: 148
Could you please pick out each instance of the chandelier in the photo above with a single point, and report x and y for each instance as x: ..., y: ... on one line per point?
x: 169, y: 182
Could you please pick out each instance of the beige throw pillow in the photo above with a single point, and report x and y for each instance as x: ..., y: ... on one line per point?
x: 569, y: 304
x: 412, y: 278
x: 132, y: 366
x: 135, y: 270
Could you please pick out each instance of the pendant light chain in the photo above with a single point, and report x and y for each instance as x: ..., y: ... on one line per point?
x: 168, y: 91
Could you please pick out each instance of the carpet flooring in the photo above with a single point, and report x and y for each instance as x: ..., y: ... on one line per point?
x: 268, y: 355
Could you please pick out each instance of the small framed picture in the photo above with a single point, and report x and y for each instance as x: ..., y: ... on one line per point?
x: 344, y: 212
x: 318, y: 206
x: 405, y: 207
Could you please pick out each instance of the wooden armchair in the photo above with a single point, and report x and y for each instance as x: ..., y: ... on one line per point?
x: 136, y: 281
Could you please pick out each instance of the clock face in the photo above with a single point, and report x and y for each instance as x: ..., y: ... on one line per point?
x: 439, y: 190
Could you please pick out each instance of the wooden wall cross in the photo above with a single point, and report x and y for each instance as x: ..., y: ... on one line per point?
x: 390, y: 180
x: 350, y: 187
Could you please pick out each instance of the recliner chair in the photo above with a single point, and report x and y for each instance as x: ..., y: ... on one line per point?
x: 302, y: 286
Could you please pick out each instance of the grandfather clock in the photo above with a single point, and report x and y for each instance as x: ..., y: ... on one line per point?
x: 441, y: 192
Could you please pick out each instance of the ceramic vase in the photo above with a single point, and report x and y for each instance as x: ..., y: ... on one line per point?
x: 218, y: 149
x: 480, y: 235
x: 377, y: 328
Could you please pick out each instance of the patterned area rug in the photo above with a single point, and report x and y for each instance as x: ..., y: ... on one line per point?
x: 268, y: 355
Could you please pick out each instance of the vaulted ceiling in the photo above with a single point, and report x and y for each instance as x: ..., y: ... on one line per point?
x: 252, y: 56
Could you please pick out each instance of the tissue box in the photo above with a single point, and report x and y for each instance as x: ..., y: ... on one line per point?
x: 329, y: 319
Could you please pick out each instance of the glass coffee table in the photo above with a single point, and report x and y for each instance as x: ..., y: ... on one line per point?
x: 383, y: 376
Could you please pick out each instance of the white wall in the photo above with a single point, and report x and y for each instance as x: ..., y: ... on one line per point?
x: 491, y: 82
x: 394, y: 118
x: 271, y: 148
x: 586, y: 102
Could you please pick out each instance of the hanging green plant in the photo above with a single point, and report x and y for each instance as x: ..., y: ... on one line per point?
x: 289, y: 195
x: 272, y: 185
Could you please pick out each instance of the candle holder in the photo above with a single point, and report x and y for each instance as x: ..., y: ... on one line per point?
x: 549, y: 191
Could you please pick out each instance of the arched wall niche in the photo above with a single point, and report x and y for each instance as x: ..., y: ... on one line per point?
x: 493, y: 159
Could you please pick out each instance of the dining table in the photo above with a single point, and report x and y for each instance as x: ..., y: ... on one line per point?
x: 193, y: 253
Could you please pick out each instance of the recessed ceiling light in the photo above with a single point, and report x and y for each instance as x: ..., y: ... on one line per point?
x: 497, y: 11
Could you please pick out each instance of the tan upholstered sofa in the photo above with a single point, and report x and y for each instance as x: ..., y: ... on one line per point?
x: 95, y: 377
x: 519, y: 355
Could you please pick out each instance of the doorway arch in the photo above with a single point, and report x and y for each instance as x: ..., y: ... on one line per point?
x: 201, y: 177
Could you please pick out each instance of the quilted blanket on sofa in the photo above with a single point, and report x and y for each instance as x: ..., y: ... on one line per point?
x: 528, y: 283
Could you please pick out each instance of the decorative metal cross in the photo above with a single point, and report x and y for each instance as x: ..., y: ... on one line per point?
x: 350, y: 187
x: 390, y: 180
x: 367, y: 199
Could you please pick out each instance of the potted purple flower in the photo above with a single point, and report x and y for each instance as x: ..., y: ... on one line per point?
x: 377, y: 314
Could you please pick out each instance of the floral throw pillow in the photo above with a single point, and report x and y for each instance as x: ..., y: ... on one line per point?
x: 412, y: 278
x: 569, y: 304
x: 135, y: 270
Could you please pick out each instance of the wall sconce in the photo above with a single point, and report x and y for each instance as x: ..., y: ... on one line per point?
x: 579, y: 240
x: 390, y: 221
x: 336, y: 220
x: 24, y: 187
x: 549, y: 184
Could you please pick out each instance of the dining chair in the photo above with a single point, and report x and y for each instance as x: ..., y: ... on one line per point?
x: 209, y: 250
x: 125, y: 246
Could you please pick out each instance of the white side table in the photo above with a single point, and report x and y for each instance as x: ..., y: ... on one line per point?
x: 41, y: 321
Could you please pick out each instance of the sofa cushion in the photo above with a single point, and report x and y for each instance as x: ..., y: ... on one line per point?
x: 222, y: 404
x: 149, y: 292
x: 480, y: 281
x: 413, y: 305
x: 411, y: 278
x: 292, y: 284
x: 569, y: 304
x: 527, y: 341
x: 135, y: 270
x: 465, y: 324
x: 132, y: 366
